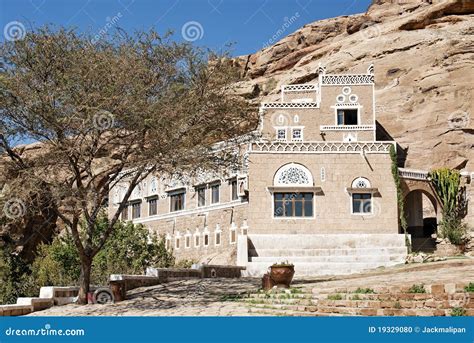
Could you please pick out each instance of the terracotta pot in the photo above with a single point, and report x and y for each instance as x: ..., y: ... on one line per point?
x: 282, y: 275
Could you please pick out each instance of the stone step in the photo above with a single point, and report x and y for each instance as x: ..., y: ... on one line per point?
x: 287, y: 307
x: 325, y: 241
x: 399, y: 258
x: 297, y: 301
x: 329, y: 252
x: 257, y: 269
x: 278, y: 312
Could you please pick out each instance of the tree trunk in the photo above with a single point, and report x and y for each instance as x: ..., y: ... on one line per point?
x: 85, y: 279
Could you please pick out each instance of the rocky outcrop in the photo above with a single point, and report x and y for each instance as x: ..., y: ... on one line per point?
x: 423, y: 53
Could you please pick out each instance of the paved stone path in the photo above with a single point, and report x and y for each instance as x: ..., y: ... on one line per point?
x: 214, y: 297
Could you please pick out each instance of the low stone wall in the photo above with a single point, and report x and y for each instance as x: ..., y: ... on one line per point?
x: 48, y: 297
x: 120, y: 284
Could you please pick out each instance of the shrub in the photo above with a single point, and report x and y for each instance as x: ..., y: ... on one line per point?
x: 364, y: 291
x: 129, y: 250
x: 470, y: 287
x: 417, y: 289
x: 356, y: 297
x: 397, y: 305
x: 185, y: 263
x: 335, y: 297
x: 458, y: 312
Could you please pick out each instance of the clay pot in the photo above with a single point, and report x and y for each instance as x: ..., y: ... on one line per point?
x: 282, y: 275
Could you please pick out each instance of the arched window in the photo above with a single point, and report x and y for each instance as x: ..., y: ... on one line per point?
x: 296, y: 202
x: 293, y: 174
x: 361, y: 196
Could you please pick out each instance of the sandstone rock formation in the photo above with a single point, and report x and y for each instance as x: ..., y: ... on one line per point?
x: 423, y: 52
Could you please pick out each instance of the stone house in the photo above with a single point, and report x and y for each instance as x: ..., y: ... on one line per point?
x: 315, y: 189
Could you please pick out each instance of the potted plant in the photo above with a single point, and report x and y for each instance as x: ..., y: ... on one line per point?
x: 282, y: 273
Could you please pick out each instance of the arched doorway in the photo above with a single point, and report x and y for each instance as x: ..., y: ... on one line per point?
x: 421, y: 212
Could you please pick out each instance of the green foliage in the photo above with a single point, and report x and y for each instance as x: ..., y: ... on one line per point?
x: 417, y: 289
x: 397, y: 305
x: 400, y: 200
x: 458, y: 312
x: 129, y: 250
x: 14, y: 277
x: 185, y: 263
x: 447, y: 183
x: 469, y: 288
x: 364, y: 291
x: 336, y: 296
x: 356, y: 297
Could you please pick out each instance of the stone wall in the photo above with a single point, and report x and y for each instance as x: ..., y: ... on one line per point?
x: 332, y: 206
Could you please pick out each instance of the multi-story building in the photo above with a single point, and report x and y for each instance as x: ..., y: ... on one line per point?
x: 315, y: 188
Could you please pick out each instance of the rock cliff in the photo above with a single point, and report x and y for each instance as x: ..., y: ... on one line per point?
x: 423, y: 52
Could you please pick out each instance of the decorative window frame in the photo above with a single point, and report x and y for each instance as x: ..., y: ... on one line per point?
x: 197, y: 238
x: 177, y: 241
x: 217, y: 233
x: 204, y: 234
x: 244, y: 228
x: 168, y: 244
x: 302, y: 169
x: 187, y: 240
x: 302, y: 133
x: 283, y: 128
x: 233, y: 230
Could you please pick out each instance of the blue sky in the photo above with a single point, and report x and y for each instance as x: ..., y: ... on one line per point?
x: 248, y: 24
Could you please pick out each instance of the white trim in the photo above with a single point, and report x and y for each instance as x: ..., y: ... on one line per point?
x: 322, y: 147
x: 298, y: 166
x: 346, y: 127
x: 290, y: 105
x: 199, y: 210
x: 217, y: 232
x: 186, y: 237
x: 301, y: 128
x: 197, y: 235
x: 278, y: 128
x: 233, y: 228
x: 347, y: 107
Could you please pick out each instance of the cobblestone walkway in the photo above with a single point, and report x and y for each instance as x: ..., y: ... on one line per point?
x: 215, y: 297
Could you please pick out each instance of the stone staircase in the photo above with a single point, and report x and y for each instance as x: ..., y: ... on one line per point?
x: 439, y: 300
x: 319, y: 254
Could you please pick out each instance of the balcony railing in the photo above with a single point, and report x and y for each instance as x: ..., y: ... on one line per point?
x: 413, y: 174
x: 347, y: 127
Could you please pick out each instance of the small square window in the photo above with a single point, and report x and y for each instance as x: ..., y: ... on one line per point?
x: 281, y: 134
x: 297, y: 134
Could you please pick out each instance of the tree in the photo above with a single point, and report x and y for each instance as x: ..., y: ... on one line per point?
x: 122, y: 108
